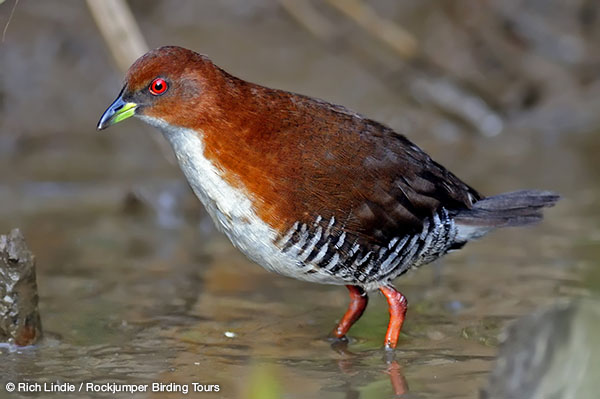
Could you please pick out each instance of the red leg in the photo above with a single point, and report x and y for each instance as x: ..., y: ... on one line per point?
x: 397, y: 304
x: 358, y: 303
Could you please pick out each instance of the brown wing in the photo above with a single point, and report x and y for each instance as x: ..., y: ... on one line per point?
x: 407, y: 187
x: 373, y: 180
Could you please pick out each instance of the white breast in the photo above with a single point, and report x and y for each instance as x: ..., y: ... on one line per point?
x: 230, y: 208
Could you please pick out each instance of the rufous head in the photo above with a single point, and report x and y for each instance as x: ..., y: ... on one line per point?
x: 169, y: 84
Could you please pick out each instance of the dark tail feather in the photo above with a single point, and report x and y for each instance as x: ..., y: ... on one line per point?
x: 518, y: 208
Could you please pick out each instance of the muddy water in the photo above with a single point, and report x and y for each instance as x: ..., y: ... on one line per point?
x: 136, y: 287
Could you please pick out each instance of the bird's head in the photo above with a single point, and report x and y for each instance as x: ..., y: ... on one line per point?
x: 169, y: 85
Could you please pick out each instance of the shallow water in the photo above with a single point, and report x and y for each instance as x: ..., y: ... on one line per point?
x: 137, y: 288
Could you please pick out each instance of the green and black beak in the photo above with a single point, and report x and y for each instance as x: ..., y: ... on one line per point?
x: 118, y: 111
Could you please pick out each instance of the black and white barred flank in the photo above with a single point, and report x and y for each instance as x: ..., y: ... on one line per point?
x: 329, y: 249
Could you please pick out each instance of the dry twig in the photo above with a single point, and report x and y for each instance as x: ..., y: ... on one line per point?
x: 12, y: 12
x: 120, y: 30
x: 393, y: 35
x: 309, y: 17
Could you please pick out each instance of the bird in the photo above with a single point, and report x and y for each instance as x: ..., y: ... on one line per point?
x: 309, y: 189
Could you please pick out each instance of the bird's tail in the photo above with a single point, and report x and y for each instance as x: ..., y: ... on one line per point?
x: 518, y: 208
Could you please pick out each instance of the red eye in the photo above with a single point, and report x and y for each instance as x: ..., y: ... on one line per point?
x: 158, y: 86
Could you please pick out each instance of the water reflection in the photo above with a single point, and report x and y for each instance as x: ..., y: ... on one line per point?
x: 392, y: 368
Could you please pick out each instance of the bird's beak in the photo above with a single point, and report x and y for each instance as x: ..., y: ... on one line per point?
x: 119, y: 110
